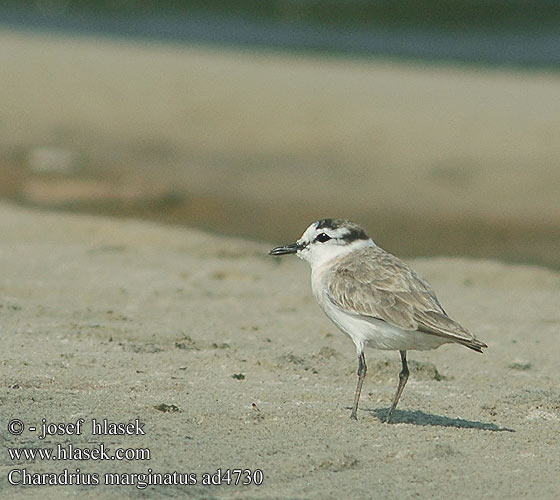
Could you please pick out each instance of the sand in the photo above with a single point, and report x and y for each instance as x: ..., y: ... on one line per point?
x: 226, y: 361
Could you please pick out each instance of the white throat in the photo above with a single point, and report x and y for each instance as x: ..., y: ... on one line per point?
x: 318, y: 254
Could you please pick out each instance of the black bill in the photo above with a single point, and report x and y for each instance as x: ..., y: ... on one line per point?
x: 286, y: 249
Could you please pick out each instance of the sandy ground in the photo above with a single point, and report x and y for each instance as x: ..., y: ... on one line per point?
x: 108, y: 318
x: 460, y: 160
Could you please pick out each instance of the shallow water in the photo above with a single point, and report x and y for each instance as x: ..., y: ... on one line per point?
x: 511, y: 37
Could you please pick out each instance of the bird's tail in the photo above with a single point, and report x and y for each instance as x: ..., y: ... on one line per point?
x: 474, y: 344
x: 442, y: 325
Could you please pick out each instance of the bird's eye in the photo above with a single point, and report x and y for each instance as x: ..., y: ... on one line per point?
x: 323, y: 237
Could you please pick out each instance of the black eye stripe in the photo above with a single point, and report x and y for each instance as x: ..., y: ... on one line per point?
x: 352, y: 230
x: 322, y: 237
x: 355, y: 234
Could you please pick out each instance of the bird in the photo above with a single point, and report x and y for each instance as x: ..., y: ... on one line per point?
x: 374, y: 297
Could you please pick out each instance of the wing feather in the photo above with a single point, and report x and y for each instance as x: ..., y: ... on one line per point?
x: 373, y: 283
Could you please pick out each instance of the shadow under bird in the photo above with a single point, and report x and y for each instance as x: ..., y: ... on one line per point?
x: 373, y: 297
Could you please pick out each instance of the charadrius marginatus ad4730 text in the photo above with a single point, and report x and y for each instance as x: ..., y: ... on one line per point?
x: 373, y: 297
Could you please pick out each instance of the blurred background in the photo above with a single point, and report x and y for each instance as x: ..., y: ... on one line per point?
x: 433, y: 123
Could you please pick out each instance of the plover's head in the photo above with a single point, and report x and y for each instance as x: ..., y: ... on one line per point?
x: 326, y: 239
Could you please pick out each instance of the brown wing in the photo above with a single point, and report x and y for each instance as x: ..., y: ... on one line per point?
x: 376, y: 284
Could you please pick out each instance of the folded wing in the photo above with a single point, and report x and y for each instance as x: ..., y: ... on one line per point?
x: 375, y: 284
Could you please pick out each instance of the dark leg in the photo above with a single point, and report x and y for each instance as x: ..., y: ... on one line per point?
x: 362, y: 369
x: 403, y: 377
